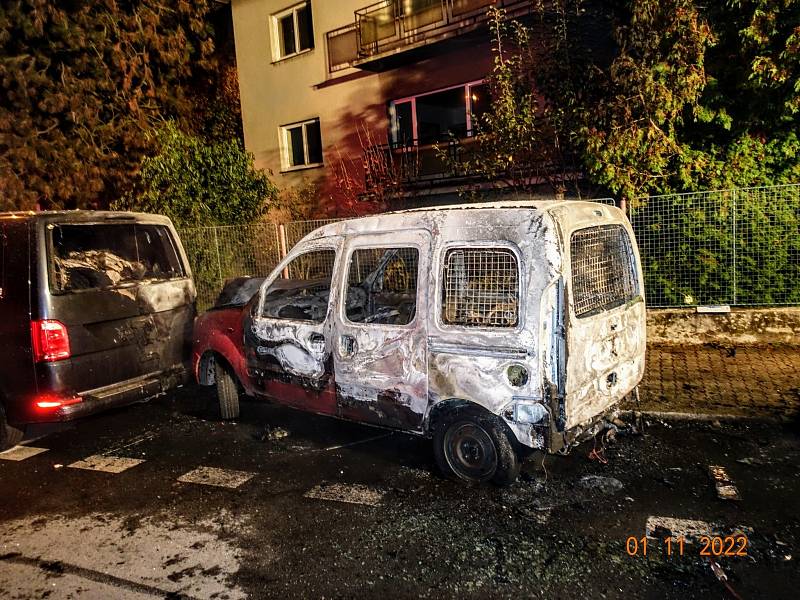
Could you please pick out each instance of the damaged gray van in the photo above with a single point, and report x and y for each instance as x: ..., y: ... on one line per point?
x: 96, y: 311
x: 496, y: 329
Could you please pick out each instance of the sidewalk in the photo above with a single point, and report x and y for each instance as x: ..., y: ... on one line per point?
x: 742, y: 381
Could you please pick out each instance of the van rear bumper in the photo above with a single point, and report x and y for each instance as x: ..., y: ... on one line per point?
x: 121, y: 394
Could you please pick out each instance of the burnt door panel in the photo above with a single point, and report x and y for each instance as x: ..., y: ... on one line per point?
x: 380, y: 338
x: 605, y: 332
x: 288, y: 338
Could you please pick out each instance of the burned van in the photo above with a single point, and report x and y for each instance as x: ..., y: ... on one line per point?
x: 496, y: 329
x: 96, y: 310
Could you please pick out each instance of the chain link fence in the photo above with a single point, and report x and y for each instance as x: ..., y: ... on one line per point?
x: 737, y: 247
x: 217, y: 254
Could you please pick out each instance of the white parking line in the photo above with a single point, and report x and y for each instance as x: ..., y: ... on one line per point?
x: 350, y: 493
x: 106, y: 464
x: 227, y: 478
x: 18, y: 453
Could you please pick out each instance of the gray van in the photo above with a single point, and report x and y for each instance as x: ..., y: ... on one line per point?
x: 496, y: 329
x: 96, y: 310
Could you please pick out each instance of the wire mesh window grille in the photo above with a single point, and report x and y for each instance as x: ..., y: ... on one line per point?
x: 480, y: 288
x: 603, y: 269
x: 382, y: 285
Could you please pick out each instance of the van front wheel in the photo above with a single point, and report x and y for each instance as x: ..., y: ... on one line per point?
x: 227, y: 391
x: 475, y: 448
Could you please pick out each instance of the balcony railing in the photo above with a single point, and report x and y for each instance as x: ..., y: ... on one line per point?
x: 398, y: 166
x: 391, y: 24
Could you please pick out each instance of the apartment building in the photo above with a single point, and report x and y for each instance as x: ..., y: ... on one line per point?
x: 377, y: 90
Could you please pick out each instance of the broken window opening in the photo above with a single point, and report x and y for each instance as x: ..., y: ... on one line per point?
x: 603, y: 269
x: 100, y: 256
x: 303, y: 290
x: 480, y: 288
x: 382, y: 286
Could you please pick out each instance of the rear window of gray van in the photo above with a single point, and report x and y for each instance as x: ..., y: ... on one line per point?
x: 603, y: 269
x: 102, y: 256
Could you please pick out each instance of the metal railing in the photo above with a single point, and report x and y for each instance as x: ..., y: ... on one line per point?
x: 739, y: 247
x: 390, y: 24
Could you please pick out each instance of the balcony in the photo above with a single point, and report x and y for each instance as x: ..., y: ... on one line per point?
x: 394, y: 32
x: 391, y: 169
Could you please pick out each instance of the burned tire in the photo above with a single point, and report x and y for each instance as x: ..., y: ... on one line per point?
x: 9, y: 436
x: 227, y: 391
x: 475, y: 448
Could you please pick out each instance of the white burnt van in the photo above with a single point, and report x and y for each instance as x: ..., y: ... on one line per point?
x: 496, y: 329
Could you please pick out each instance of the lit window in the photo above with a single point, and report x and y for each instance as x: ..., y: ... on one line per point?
x: 293, y: 31
x: 436, y: 116
x: 302, y: 144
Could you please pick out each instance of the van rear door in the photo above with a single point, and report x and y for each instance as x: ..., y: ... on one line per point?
x: 123, y: 291
x: 605, y: 333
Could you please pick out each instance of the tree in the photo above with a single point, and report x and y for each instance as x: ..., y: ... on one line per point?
x: 81, y: 82
x: 196, y: 183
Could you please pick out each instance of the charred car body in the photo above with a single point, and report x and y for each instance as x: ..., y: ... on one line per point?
x: 497, y: 329
x: 97, y: 310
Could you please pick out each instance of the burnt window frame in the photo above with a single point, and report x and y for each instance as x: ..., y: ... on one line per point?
x: 277, y: 274
x: 52, y: 284
x: 440, y: 286
x: 342, y: 310
x: 633, y: 270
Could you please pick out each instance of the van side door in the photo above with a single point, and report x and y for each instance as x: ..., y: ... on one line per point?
x: 380, y: 339
x: 605, y: 330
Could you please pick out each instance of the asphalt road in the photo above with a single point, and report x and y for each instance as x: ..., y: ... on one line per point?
x: 321, y: 508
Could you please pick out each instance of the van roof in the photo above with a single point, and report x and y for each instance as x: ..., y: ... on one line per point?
x: 423, y: 217
x: 83, y: 216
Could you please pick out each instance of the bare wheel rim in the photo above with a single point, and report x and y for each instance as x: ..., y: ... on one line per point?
x: 470, y: 452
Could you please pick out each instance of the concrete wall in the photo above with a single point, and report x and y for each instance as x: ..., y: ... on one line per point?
x: 742, y: 326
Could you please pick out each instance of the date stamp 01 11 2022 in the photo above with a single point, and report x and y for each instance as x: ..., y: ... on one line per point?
x: 707, y: 545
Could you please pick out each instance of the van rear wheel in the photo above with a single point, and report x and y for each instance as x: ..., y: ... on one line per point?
x: 227, y: 391
x: 9, y: 436
x: 475, y: 448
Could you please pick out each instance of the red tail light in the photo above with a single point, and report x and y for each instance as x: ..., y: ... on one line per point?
x: 50, y: 340
x: 52, y: 402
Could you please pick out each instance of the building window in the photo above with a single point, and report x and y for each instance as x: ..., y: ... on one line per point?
x: 603, y: 269
x: 293, y: 31
x: 302, y: 144
x: 435, y: 116
x: 480, y: 288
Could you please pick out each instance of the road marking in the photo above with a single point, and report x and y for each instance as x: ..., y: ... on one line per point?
x: 350, y: 493
x: 106, y: 464
x: 18, y: 453
x: 685, y: 528
x: 227, y: 478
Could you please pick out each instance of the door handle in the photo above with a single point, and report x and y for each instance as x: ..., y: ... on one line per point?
x: 317, y: 341
x: 347, y: 345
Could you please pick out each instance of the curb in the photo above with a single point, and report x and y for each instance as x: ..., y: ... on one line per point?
x: 686, y: 416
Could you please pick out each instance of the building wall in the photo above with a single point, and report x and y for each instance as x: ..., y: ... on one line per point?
x: 298, y: 88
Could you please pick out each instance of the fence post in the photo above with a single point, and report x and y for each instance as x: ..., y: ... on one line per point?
x: 284, y: 249
x: 219, y: 262
x: 734, y: 246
